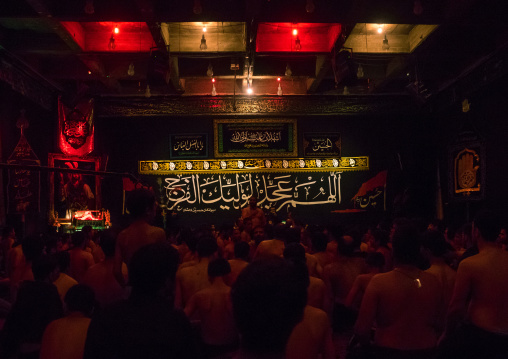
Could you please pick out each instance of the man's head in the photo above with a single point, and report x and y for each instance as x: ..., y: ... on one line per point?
x: 45, y: 269
x: 141, y: 202
x: 207, y: 246
x: 242, y: 250
x: 253, y: 202
x: 406, y: 245
x: 107, y: 243
x: 486, y: 225
x: 153, y: 268
x: 267, y: 304
x: 258, y: 234
x: 218, y: 267
x: 80, y: 298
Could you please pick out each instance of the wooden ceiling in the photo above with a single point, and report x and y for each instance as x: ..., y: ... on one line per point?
x: 69, y: 44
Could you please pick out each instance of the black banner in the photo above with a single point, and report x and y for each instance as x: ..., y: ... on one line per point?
x: 321, y: 144
x: 260, y: 138
x: 188, y: 146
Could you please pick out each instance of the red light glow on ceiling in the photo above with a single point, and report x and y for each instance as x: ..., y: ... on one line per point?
x: 280, y: 37
x: 95, y: 36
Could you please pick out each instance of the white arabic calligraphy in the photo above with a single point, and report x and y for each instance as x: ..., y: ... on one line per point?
x: 234, y: 190
x: 188, y: 145
x: 256, y: 136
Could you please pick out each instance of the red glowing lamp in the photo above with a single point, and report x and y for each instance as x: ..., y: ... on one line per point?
x: 213, y: 80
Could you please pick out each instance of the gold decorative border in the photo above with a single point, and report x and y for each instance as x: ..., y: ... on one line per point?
x: 166, y: 167
x: 293, y: 135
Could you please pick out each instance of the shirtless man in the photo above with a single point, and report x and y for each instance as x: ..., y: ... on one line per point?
x: 238, y: 263
x: 100, y: 276
x: 265, y: 317
x: 480, y: 295
x: 81, y: 260
x: 435, y: 247
x: 339, y: 277
x: 375, y: 261
x: 403, y: 304
x: 254, y: 213
x: 272, y: 247
x: 142, y: 207
x: 65, y: 338
x: 316, y: 289
x: 190, y: 280
x: 213, y: 307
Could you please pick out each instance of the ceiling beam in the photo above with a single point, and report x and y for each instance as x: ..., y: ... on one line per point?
x: 323, y: 65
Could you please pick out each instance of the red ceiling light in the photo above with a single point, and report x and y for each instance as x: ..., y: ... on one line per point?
x: 116, y: 31
x: 278, y: 79
x: 213, y: 80
x: 295, y: 32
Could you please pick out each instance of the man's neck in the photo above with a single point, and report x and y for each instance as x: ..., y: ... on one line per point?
x: 486, y: 246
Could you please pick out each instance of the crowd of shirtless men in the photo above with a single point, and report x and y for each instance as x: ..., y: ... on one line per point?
x: 252, y: 289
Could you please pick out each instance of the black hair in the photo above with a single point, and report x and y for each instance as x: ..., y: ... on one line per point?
x: 219, y: 267
x: 242, y: 250
x: 435, y: 242
x: 375, y: 260
x: 107, y: 243
x: 207, y: 246
x: 63, y: 260
x: 32, y: 247
x: 295, y: 252
x: 77, y: 239
x: 139, y: 202
x: 319, y: 241
x: 87, y: 229
x: 382, y: 237
x: 151, y: 266
x: 489, y: 224
x: 406, y: 245
x: 43, y: 266
x: 267, y: 304
x: 293, y: 235
x: 80, y: 298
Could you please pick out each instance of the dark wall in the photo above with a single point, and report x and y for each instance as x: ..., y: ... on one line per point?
x: 40, y: 135
x: 402, y: 144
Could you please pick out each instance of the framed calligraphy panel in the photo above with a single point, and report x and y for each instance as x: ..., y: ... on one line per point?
x: 467, y: 171
x: 255, y: 138
x: 321, y: 145
x: 188, y: 146
x: 73, y: 191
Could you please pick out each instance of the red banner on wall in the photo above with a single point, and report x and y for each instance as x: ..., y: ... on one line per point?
x: 76, y: 129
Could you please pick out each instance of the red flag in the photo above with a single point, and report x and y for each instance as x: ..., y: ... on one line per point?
x: 369, y: 194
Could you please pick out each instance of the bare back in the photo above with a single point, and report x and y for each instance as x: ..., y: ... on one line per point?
x: 405, y: 306
x: 213, y: 305
x: 190, y: 280
x: 487, y: 278
x: 137, y: 235
x: 312, y: 337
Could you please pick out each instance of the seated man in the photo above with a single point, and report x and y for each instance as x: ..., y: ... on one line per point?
x: 480, y: 296
x: 403, y: 304
x: 267, y: 304
x: 146, y: 325
x: 65, y: 338
x: 213, y: 307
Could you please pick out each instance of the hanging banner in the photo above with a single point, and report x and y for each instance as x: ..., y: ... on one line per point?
x: 76, y: 129
x: 321, y: 144
x: 23, y: 188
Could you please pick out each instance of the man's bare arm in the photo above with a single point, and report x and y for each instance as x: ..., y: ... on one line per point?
x: 368, y: 311
x: 460, y: 297
x: 117, y: 265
